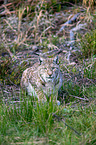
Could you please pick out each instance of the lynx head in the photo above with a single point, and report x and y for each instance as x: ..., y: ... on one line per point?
x: 49, y: 73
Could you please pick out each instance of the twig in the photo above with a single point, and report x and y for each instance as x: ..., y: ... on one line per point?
x: 60, y: 119
x: 5, y: 5
x: 79, y: 98
x: 6, y: 11
x: 12, y: 82
x: 11, y: 27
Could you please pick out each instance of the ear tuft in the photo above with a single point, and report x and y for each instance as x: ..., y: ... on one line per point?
x: 41, y: 60
x: 56, y: 60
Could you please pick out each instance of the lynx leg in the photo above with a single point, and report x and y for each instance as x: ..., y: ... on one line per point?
x: 31, y: 91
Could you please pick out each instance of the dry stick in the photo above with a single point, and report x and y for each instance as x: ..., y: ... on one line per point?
x: 12, y: 82
x: 59, y: 119
x: 11, y: 26
x: 5, y: 5
x: 79, y: 98
x: 9, y: 4
x: 6, y: 11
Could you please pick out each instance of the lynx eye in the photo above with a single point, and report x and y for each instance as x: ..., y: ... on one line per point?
x: 54, y: 69
x: 43, y: 84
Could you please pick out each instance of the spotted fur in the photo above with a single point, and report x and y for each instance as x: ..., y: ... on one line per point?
x: 44, y: 78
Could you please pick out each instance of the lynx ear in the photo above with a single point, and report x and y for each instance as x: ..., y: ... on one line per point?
x: 56, y: 60
x: 41, y: 59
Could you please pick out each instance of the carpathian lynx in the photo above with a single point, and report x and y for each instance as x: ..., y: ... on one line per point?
x: 44, y: 78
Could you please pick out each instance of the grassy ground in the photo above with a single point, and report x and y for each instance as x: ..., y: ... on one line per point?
x: 45, y: 124
x: 29, y: 122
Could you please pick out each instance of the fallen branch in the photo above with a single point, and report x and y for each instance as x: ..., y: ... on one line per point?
x: 68, y: 22
x: 77, y: 28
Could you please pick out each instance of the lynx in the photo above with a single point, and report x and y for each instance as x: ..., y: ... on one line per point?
x: 44, y: 78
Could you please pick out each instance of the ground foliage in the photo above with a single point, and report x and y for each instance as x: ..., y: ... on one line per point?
x: 27, y: 31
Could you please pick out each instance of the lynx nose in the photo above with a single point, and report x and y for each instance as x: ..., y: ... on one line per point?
x: 49, y: 72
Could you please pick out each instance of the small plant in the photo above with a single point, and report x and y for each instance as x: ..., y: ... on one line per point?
x: 88, y: 44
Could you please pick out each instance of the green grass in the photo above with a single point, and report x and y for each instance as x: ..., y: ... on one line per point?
x: 88, y: 44
x: 30, y: 122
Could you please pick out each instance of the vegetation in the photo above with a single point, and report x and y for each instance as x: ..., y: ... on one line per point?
x: 88, y: 44
x: 28, y: 122
x: 29, y: 29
